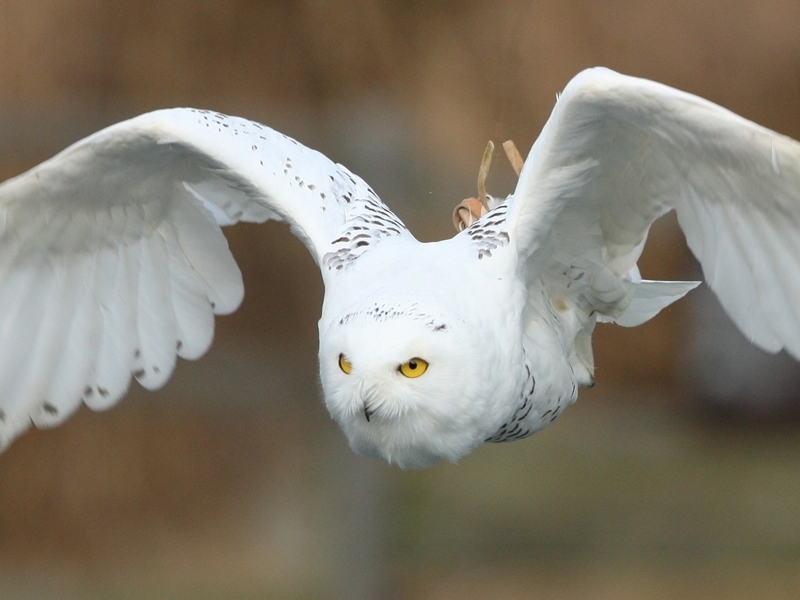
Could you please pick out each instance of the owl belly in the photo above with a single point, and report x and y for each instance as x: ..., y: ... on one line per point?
x: 541, y: 400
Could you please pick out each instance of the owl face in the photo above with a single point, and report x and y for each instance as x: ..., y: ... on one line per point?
x: 404, y: 384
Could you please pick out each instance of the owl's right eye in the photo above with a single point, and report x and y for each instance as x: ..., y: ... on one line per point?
x: 345, y: 365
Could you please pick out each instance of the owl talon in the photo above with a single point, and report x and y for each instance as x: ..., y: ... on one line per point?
x: 514, y: 157
x: 472, y: 209
x: 467, y: 212
x: 483, y: 173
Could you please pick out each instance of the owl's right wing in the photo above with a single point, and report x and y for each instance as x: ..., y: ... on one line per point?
x: 112, y: 261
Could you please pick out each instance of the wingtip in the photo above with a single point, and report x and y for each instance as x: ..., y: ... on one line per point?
x: 592, y: 78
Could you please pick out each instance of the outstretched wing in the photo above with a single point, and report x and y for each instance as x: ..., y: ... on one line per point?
x: 112, y: 261
x: 619, y: 152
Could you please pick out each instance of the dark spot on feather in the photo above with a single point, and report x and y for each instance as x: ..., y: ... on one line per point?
x: 2, y: 416
x: 526, y: 412
x: 102, y: 391
x: 49, y: 408
x: 137, y: 353
x: 362, y: 243
x: 156, y: 369
x: 138, y: 373
x: 178, y: 345
x: 88, y: 391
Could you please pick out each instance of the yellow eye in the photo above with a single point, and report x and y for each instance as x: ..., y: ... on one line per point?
x: 345, y: 365
x: 413, y: 368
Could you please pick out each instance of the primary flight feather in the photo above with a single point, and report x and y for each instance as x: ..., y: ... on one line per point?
x: 112, y: 263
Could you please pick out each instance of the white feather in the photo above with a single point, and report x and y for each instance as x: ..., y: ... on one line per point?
x: 190, y: 301
x: 112, y: 372
x: 155, y: 321
x: 206, y: 250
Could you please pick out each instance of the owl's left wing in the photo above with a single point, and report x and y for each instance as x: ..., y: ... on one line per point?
x: 112, y: 261
x: 617, y: 153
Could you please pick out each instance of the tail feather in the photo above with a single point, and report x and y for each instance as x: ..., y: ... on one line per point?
x: 649, y: 298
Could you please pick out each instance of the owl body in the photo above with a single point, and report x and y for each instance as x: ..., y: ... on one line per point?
x: 486, y: 378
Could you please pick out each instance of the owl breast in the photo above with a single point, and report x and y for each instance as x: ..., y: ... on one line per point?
x: 534, y: 411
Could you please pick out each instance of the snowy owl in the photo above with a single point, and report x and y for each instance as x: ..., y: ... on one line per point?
x: 112, y: 262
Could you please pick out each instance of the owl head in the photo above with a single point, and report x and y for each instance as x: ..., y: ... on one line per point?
x: 406, y: 384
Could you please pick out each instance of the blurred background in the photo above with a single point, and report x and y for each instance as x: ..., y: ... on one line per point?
x: 677, y: 476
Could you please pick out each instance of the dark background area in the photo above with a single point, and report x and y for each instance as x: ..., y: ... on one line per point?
x: 677, y: 476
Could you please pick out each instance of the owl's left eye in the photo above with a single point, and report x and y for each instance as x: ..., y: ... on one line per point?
x: 345, y: 365
x: 413, y: 368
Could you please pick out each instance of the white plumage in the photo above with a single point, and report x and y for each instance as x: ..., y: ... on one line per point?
x: 112, y: 263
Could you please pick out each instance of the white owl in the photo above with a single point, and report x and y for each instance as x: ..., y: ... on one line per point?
x: 112, y: 262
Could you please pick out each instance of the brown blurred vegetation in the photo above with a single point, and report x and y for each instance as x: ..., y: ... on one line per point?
x: 231, y: 482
